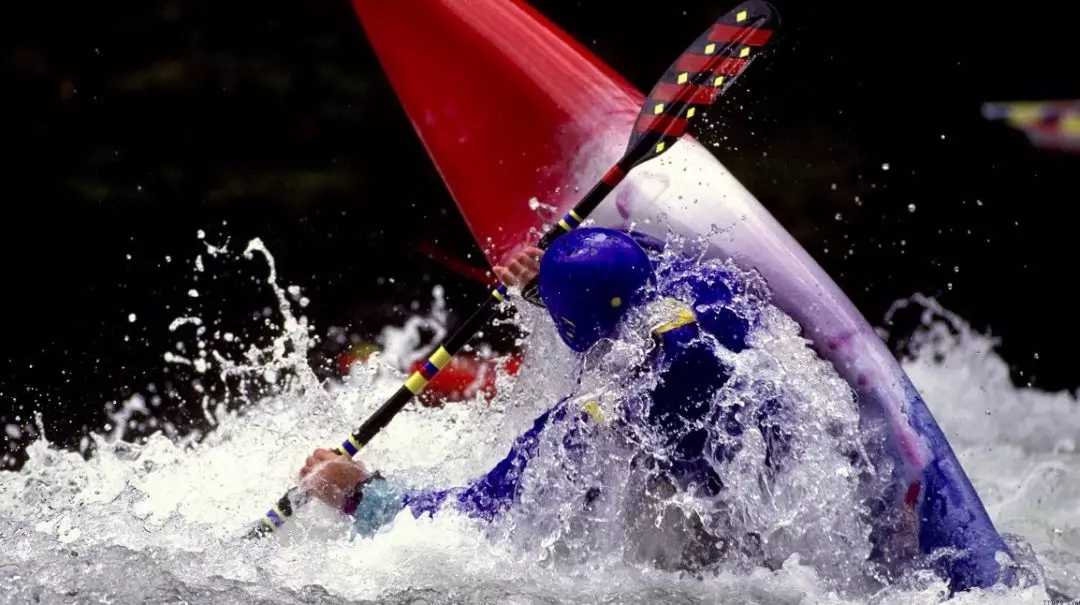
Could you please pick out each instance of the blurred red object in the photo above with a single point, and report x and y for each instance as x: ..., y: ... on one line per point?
x: 463, y: 378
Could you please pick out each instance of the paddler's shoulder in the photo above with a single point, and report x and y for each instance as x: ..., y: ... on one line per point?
x: 670, y: 322
x: 710, y: 289
x: 668, y: 314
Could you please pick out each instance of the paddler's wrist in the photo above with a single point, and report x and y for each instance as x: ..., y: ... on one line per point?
x: 356, y: 495
x: 374, y: 502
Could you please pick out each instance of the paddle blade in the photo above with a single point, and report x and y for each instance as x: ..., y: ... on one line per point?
x: 699, y: 76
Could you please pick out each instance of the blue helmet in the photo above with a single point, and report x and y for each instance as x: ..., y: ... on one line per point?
x: 588, y: 279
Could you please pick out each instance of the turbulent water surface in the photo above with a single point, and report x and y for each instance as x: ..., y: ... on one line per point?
x: 159, y: 521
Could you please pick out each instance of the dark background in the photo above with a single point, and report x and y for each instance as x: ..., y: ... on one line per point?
x: 133, y: 125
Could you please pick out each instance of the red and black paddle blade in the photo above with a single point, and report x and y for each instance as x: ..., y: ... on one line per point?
x: 701, y: 75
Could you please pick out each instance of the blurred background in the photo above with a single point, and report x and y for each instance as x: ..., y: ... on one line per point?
x: 141, y: 132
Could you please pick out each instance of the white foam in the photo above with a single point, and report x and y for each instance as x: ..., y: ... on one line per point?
x: 160, y: 521
x: 1018, y: 444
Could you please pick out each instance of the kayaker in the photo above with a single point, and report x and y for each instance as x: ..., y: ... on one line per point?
x: 596, y: 284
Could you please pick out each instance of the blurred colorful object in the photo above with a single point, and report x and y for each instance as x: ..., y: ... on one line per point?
x: 1047, y: 124
x: 467, y: 375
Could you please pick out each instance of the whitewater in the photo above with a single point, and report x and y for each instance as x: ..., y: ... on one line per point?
x: 158, y: 519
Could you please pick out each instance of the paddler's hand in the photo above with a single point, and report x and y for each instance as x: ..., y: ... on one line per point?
x: 331, y: 477
x: 523, y: 266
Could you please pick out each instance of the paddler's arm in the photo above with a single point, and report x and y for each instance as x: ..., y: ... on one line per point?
x: 492, y: 493
x: 373, y: 501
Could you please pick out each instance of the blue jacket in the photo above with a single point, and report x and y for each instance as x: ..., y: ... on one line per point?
x: 690, y: 372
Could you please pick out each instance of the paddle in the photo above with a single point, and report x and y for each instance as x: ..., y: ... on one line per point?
x: 694, y: 81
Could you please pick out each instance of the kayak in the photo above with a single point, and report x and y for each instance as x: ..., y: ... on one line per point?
x: 514, y: 112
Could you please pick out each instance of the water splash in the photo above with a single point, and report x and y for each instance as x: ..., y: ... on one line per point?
x: 1018, y: 444
x: 158, y: 520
